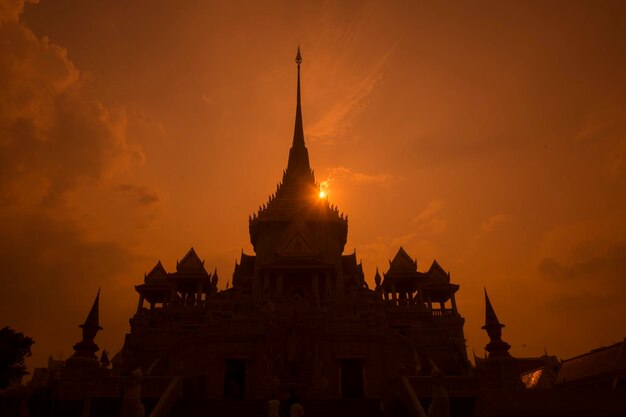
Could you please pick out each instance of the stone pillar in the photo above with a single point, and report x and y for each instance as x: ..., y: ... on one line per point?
x: 199, y: 294
x: 339, y: 285
x: 453, y: 299
x: 420, y: 297
x: 279, y: 282
x: 255, y: 286
x: 394, y: 294
x: 327, y: 281
x: 173, y: 294
x: 140, y: 303
x: 266, y: 284
x: 316, y: 288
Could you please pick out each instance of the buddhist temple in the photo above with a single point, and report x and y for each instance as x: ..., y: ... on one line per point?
x: 298, y: 320
x: 299, y: 315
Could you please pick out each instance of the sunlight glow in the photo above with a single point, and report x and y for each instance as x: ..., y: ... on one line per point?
x: 323, y: 193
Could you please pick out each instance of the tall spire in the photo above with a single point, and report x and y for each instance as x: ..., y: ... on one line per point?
x: 496, y: 346
x: 298, y: 154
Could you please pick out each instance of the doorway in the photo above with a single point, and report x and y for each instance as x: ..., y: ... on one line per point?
x: 234, y: 378
x: 351, y: 378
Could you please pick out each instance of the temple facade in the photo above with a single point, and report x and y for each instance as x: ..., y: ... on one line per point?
x: 300, y: 319
x: 299, y: 315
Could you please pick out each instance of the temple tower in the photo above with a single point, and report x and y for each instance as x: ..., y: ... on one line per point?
x: 297, y: 236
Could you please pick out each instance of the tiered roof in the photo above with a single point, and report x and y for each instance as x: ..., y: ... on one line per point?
x: 158, y: 273
x: 191, y: 263
x: 402, y: 263
x: 402, y: 273
x: 297, y: 195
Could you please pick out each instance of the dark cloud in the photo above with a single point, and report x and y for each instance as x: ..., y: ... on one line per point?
x: 606, y: 267
x: 144, y: 195
x: 55, y: 142
x: 50, y: 273
x: 53, y: 137
x: 591, y: 286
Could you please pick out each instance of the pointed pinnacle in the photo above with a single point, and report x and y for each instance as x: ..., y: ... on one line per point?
x: 298, y: 57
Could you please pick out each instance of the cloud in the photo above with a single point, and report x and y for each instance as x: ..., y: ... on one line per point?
x: 348, y: 174
x: 338, y: 119
x: 429, y: 220
x: 49, y: 265
x: 53, y: 137
x: 10, y: 10
x: 144, y: 195
x: 608, y: 267
x: 57, y: 145
x: 428, y: 212
x: 492, y: 223
x: 608, y: 130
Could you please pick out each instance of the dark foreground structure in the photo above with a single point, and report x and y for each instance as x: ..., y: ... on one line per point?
x: 300, y: 320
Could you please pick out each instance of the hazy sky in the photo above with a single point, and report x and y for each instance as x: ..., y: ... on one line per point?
x: 490, y: 136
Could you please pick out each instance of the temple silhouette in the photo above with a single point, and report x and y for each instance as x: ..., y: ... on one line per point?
x: 300, y: 318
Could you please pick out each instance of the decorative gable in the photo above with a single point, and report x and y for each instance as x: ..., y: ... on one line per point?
x: 157, y: 273
x: 297, y: 241
x: 402, y: 262
x: 190, y: 263
x: 437, y: 274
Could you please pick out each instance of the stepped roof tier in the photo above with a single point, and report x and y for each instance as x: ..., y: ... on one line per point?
x: 297, y: 194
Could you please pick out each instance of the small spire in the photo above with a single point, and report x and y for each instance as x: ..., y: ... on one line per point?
x: 496, y: 346
x: 86, y: 348
x: 490, y: 315
x: 93, y: 318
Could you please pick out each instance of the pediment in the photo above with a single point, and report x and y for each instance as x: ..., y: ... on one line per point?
x: 297, y: 241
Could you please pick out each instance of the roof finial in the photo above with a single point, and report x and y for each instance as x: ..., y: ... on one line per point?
x: 298, y: 134
x: 298, y: 57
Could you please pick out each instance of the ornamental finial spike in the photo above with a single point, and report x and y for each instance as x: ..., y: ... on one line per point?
x: 298, y: 57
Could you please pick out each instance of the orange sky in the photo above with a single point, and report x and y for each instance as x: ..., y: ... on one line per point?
x: 489, y: 136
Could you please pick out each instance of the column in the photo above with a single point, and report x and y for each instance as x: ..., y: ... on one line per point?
x: 140, y: 303
x: 420, y: 297
x: 199, y: 294
x: 394, y: 294
x: 279, y: 282
x: 266, y: 284
x: 453, y: 300
x: 316, y: 288
x: 173, y: 294
x: 339, y: 285
x: 255, y: 286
